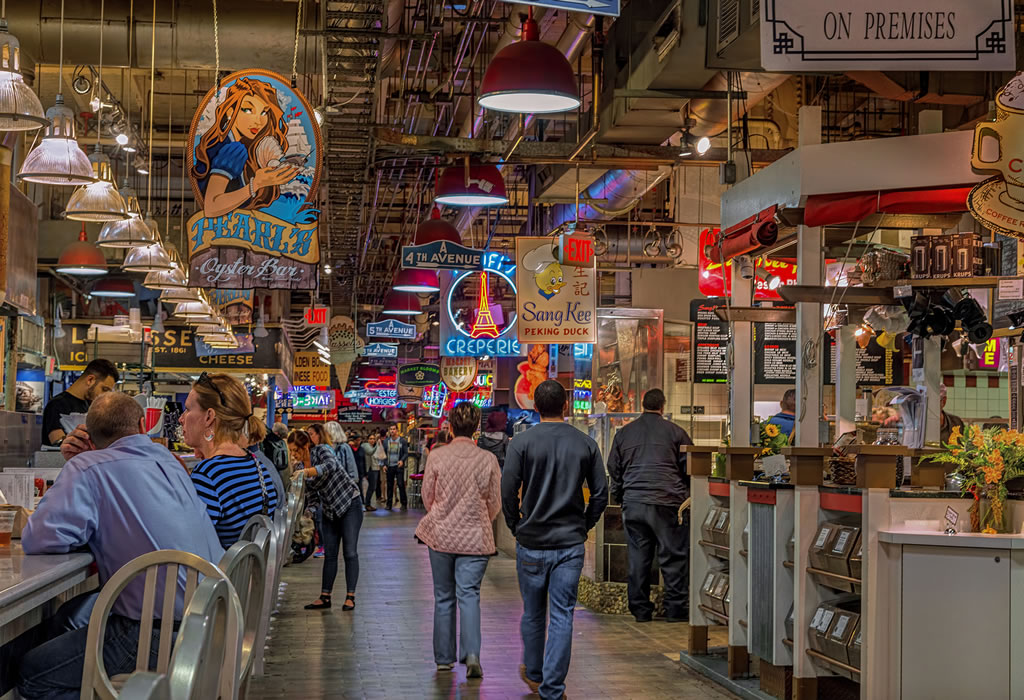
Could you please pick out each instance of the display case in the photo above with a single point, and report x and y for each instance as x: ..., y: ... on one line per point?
x: 628, y: 358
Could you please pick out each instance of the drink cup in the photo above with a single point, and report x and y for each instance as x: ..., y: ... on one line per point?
x: 6, y: 526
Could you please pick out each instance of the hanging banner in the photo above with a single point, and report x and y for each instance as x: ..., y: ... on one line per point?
x: 458, y: 373
x: 235, y: 305
x: 553, y: 305
x: 998, y: 202
x: 478, y: 310
x: 419, y: 374
x: 380, y: 350
x: 390, y: 328
x: 309, y: 370
x: 441, y: 255
x: 254, y: 160
x: 899, y: 35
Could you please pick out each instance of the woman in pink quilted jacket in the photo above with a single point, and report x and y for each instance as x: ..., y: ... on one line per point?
x: 461, y: 491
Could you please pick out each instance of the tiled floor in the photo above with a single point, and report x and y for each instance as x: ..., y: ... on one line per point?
x: 383, y: 648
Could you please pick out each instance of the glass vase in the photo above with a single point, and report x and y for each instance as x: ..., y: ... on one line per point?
x: 994, y: 516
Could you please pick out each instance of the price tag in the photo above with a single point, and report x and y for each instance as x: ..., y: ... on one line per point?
x: 951, y: 516
x: 903, y: 290
x: 1011, y: 289
x: 774, y: 465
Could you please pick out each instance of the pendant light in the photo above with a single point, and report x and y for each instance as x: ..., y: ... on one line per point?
x: 114, y: 288
x: 99, y: 200
x: 529, y: 77
x: 193, y: 309
x: 20, y: 109
x: 436, y: 229
x: 82, y: 259
x: 472, y: 184
x: 167, y: 279
x: 417, y: 281
x: 180, y: 296
x: 146, y: 258
x: 58, y: 160
x: 367, y: 373
x: 402, y: 304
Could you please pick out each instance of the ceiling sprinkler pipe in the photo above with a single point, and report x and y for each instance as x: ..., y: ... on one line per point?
x: 760, y: 235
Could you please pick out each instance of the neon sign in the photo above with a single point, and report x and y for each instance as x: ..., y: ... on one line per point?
x: 312, y: 401
x: 381, y: 402
x: 484, y: 336
x: 582, y: 395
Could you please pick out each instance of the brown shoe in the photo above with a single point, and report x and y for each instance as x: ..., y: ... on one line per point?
x: 533, y: 685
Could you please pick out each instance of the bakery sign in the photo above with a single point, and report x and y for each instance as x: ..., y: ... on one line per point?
x: 254, y: 153
x: 803, y: 36
x: 555, y: 304
x: 458, y: 373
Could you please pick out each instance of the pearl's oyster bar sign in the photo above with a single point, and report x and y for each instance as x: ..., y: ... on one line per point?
x: 254, y: 163
x: 806, y: 35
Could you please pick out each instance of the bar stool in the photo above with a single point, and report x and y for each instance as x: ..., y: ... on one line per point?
x: 415, y: 490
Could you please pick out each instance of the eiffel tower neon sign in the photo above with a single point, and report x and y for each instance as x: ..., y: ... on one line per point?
x: 484, y: 326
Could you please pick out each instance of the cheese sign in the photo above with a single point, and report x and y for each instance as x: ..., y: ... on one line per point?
x: 419, y: 374
x: 458, y: 373
x: 575, y: 250
x: 442, y: 255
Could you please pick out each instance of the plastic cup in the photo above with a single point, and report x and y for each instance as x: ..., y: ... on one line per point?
x: 6, y: 526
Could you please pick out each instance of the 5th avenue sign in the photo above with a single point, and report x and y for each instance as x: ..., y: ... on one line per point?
x: 391, y: 328
x: 381, y: 350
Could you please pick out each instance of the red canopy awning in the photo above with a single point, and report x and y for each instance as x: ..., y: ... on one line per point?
x: 825, y: 210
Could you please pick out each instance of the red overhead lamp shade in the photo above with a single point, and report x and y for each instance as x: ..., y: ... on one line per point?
x: 436, y: 229
x: 82, y: 258
x: 367, y: 374
x: 402, y: 304
x: 114, y: 288
x: 478, y: 185
x: 529, y: 77
x: 417, y: 281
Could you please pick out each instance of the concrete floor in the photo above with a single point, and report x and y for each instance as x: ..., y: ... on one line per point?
x: 383, y: 648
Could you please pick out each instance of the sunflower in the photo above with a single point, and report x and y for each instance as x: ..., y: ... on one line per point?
x: 766, y: 451
x: 771, y: 430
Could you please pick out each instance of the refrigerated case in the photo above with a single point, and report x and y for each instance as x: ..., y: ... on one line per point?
x: 627, y: 358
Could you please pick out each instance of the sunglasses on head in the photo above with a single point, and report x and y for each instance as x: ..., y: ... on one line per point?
x: 206, y: 380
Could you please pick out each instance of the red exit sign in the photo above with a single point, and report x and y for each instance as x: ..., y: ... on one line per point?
x: 576, y: 250
x: 316, y: 316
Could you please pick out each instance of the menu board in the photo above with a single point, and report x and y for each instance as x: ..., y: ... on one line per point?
x: 774, y: 353
x: 711, y: 342
x: 876, y: 366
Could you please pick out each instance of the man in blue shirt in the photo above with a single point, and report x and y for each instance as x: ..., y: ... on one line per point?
x: 127, y: 497
x: 786, y: 418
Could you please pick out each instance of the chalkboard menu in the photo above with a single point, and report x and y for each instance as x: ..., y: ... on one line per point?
x: 774, y: 353
x: 711, y: 342
x: 876, y: 366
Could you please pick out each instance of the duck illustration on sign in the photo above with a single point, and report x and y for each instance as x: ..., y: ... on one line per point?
x: 254, y: 161
x: 547, y: 273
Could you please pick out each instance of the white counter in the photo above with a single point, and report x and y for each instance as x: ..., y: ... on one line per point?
x: 30, y: 583
x: 931, y: 538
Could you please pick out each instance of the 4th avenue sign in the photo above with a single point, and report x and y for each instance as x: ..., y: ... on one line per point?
x: 391, y: 328
x: 442, y: 255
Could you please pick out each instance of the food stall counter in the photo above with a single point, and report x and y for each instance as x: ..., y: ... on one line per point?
x: 28, y: 583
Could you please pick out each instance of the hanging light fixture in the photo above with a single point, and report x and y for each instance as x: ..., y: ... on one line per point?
x: 114, y: 288
x: 417, y: 281
x: 20, y: 109
x: 686, y: 145
x: 402, y: 304
x: 146, y: 258
x: 529, y: 77
x: 180, y: 296
x: 99, y: 200
x: 82, y: 258
x: 367, y: 373
x: 472, y: 184
x: 436, y: 229
x: 193, y: 309
x: 58, y: 160
x: 259, y: 330
x: 167, y: 279
x: 128, y: 233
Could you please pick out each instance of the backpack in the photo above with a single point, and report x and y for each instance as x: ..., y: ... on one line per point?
x: 276, y: 451
x: 495, y: 447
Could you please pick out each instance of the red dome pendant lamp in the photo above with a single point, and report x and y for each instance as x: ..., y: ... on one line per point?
x: 529, y: 77
x: 471, y: 184
x: 436, y: 229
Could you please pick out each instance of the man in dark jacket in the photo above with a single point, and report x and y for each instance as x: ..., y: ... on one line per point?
x: 550, y: 462
x: 397, y: 449
x: 648, y: 477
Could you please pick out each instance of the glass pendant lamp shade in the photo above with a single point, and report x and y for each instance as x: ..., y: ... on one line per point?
x: 402, y: 304
x: 180, y: 296
x: 146, y: 258
x: 529, y: 77
x: 417, y: 281
x: 436, y: 229
x: 82, y: 259
x: 481, y: 186
x: 168, y: 279
x: 58, y: 160
x: 20, y: 109
x: 127, y: 233
x: 114, y: 288
x: 193, y: 309
x: 131, y: 199
x: 99, y: 200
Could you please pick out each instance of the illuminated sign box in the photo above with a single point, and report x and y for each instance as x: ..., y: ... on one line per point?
x: 478, y: 316
x: 312, y: 401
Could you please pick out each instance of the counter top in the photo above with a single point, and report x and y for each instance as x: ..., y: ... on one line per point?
x: 932, y: 538
x: 28, y: 581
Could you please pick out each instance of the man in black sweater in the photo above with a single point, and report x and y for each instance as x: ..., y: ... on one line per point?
x: 550, y: 462
x: 648, y: 477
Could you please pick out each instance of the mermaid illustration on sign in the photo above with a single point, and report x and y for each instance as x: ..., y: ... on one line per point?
x: 254, y: 169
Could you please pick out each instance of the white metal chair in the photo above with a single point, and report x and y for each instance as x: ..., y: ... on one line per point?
x: 206, y: 658
x: 146, y: 685
x: 267, y: 533
x: 245, y: 566
x: 96, y: 683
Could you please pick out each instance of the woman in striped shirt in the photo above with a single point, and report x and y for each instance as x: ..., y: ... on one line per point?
x: 218, y: 419
x: 330, y: 486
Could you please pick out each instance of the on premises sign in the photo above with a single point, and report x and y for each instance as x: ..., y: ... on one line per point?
x: 804, y: 36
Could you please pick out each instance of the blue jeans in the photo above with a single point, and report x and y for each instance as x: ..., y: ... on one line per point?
x: 456, y: 577
x: 548, y: 579
x: 341, y: 534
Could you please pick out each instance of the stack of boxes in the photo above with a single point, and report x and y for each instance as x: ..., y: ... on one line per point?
x: 952, y: 255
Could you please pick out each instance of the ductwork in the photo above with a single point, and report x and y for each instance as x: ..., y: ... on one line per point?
x: 612, y: 195
x: 253, y: 33
x: 712, y: 116
x: 620, y: 250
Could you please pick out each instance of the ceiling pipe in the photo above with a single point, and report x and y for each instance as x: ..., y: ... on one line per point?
x: 712, y: 116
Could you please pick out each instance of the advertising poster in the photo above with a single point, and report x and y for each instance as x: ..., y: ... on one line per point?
x: 29, y: 391
x: 254, y: 160
x: 309, y: 370
x: 555, y: 303
x: 235, y: 305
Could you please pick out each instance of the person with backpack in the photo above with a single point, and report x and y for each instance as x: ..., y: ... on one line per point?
x: 494, y: 439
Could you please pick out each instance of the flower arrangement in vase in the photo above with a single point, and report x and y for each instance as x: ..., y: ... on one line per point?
x: 772, y: 440
x: 984, y: 462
